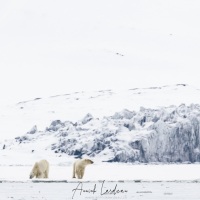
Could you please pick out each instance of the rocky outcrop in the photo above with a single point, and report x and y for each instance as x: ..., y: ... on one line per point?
x: 170, y: 134
x: 33, y: 130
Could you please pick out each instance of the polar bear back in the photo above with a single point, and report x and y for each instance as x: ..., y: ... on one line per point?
x: 43, y: 165
x: 80, y: 164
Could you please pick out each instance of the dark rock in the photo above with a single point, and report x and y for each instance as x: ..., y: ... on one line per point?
x: 33, y: 130
x: 55, y: 125
x: 87, y: 118
x: 130, y: 126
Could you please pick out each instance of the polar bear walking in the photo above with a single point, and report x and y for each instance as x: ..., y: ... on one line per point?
x: 40, y: 170
x: 79, y: 167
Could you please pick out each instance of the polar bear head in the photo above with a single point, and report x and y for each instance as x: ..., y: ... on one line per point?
x: 88, y: 161
x: 35, y: 171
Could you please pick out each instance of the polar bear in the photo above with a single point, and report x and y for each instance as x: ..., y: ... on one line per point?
x: 40, y: 170
x: 79, y: 167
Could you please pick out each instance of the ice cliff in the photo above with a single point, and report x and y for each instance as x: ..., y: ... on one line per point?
x: 168, y: 134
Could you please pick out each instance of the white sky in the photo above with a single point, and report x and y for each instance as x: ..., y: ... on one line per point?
x: 53, y: 47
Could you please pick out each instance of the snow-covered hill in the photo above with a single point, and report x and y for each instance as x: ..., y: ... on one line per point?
x: 18, y: 119
x: 155, y: 132
x: 50, y: 47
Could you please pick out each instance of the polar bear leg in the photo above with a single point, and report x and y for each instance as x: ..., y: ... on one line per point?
x: 78, y: 173
x: 46, y: 174
x: 40, y: 175
x: 82, y: 173
x: 74, y: 169
x: 47, y: 171
x: 79, y: 176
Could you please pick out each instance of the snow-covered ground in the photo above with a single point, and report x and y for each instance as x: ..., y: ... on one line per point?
x: 140, y: 182
x: 110, y: 171
x: 128, y: 190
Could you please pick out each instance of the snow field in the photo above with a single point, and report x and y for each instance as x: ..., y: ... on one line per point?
x: 110, y: 172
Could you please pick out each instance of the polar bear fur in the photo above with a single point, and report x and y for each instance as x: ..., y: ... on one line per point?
x: 40, y: 170
x: 79, y: 167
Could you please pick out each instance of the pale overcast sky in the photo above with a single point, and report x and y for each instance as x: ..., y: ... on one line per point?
x: 53, y: 47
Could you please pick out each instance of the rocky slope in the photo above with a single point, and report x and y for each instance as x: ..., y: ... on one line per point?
x: 168, y: 134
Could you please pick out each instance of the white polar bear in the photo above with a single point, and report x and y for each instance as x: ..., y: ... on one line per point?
x: 79, y: 167
x: 40, y: 170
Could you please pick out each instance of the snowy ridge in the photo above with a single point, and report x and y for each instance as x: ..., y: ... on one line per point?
x: 73, y: 106
x: 168, y: 134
